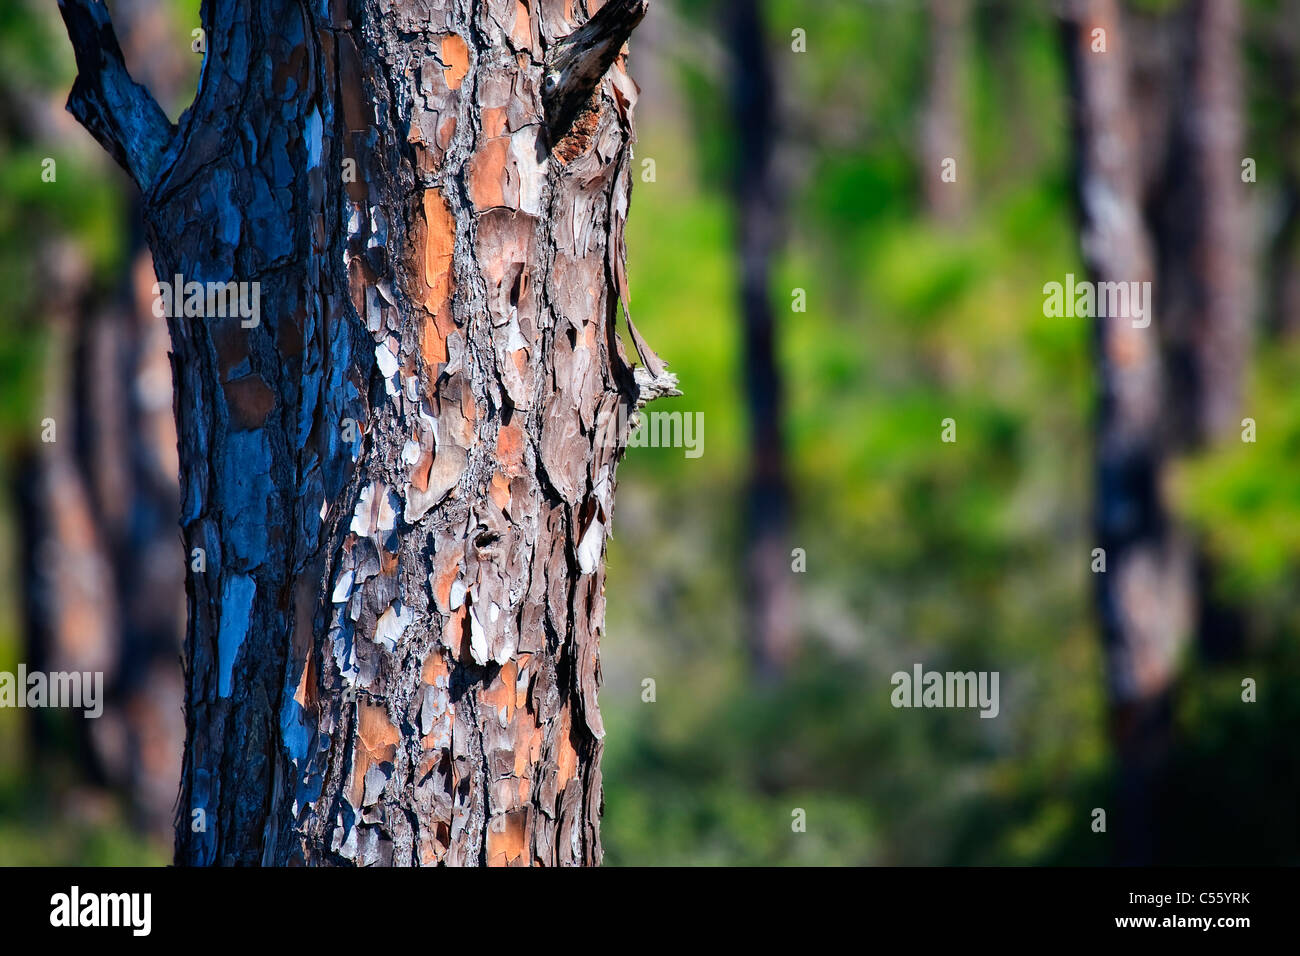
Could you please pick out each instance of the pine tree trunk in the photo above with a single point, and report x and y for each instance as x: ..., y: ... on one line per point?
x: 943, y: 128
x: 769, y: 593
x: 1200, y: 227
x: 397, y: 481
x: 98, y: 505
x: 1144, y: 594
x: 106, y: 590
x: 1283, y: 270
x: 1205, y: 281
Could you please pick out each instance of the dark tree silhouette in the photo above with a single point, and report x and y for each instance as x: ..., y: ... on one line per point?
x: 769, y: 592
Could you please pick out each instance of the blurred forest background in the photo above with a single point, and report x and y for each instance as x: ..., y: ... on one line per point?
x: 796, y: 147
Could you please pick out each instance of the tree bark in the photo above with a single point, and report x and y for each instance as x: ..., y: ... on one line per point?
x: 1144, y: 595
x: 398, y: 482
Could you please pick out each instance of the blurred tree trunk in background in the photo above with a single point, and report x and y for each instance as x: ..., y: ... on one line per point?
x: 105, y: 579
x: 105, y: 583
x: 943, y: 119
x: 1206, y: 289
x: 1187, y: 85
x: 1282, y: 40
x: 70, y: 612
x: 1172, y: 108
x: 1144, y: 596
x: 397, y: 470
x: 1198, y: 217
x: 769, y: 589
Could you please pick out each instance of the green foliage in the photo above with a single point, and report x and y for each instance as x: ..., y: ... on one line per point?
x: 965, y: 555
x: 1245, y: 496
x: 971, y: 555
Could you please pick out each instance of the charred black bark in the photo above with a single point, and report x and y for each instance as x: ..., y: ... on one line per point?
x: 116, y: 110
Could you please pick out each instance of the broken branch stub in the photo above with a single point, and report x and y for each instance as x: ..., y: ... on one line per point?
x: 577, y: 63
x: 120, y: 113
